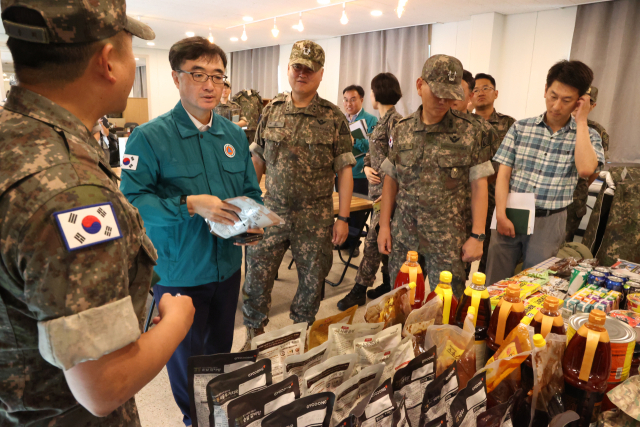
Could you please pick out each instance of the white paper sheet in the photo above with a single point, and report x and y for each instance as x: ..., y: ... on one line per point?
x: 520, y: 201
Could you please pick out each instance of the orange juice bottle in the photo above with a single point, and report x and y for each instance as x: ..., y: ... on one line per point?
x: 549, y: 319
x: 586, y: 366
x: 411, y: 272
x: 449, y: 302
x: 476, y: 296
x: 508, y: 313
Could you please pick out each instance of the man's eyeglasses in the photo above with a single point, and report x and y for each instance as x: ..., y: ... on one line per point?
x: 485, y: 89
x: 199, y: 77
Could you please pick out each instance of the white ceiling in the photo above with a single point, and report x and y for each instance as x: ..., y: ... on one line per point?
x: 170, y: 19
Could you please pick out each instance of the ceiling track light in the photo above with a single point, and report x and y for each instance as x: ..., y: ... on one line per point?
x: 275, y: 30
x: 211, y: 39
x: 344, y: 20
x: 401, y: 5
x: 300, y: 26
x: 244, y: 34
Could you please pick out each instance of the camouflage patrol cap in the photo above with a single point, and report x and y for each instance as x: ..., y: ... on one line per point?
x: 593, y: 93
x: 70, y: 21
x: 307, y: 53
x: 443, y: 74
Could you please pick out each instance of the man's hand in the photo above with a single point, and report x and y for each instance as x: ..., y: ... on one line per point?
x: 372, y: 176
x: 340, y: 232
x: 213, y: 209
x: 472, y: 250
x: 254, y: 231
x: 178, y: 309
x: 384, y: 240
x: 377, y: 200
x: 353, y: 141
x: 505, y: 227
x: 583, y: 108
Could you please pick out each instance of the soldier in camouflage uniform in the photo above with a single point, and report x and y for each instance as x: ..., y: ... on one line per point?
x: 437, y: 167
x: 483, y: 97
x: 251, y: 104
x: 75, y: 262
x: 578, y: 208
x: 385, y: 93
x: 227, y: 108
x: 302, y: 142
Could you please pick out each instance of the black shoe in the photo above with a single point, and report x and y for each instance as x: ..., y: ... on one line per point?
x: 356, y: 296
x: 379, y: 291
x: 356, y: 252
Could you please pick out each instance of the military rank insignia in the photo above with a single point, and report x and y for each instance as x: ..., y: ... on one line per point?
x: 88, y: 225
x: 344, y: 129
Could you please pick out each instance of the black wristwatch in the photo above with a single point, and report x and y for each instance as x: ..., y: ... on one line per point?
x: 183, y: 199
x: 480, y: 237
x: 344, y: 218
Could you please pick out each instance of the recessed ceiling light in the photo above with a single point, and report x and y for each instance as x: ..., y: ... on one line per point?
x: 151, y: 44
x: 376, y: 13
x: 324, y: 1
x: 234, y: 39
x: 247, y: 18
x: 137, y: 59
x: 190, y: 33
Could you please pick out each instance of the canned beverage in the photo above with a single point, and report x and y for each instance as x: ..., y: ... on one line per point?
x: 615, y: 283
x: 597, y: 278
x: 586, y: 266
x: 578, y: 279
x: 604, y: 270
x: 633, y: 302
x: 620, y: 274
x: 634, y: 287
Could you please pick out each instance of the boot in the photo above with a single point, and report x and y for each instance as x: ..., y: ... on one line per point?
x: 382, y: 289
x: 357, y: 296
x: 251, y: 334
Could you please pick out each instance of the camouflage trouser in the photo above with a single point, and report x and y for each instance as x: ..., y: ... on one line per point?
x: 251, y: 135
x: 313, y: 254
x: 432, y: 265
x: 371, y: 257
x: 577, y: 209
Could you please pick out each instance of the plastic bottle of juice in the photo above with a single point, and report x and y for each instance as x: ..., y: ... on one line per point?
x: 450, y: 303
x: 411, y: 272
x: 549, y: 319
x: 476, y: 296
x: 586, y: 366
x: 508, y: 313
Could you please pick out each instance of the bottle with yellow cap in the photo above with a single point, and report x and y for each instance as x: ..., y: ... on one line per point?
x: 410, y: 272
x: 586, y: 366
x: 508, y: 313
x: 549, y: 319
x: 476, y: 296
x: 449, y: 302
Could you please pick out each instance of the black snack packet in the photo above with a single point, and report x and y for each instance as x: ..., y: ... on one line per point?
x: 469, y: 402
x: 438, y: 394
x: 412, y: 380
x: 381, y: 406
x: 309, y: 411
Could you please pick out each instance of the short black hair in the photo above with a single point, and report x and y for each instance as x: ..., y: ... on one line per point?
x: 357, y: 88
x: 572, y: 73
x: 54, y: 63
x: 386, y: 89
x: 468, y: 77
x: 487, y: 77
x: 192, y: 48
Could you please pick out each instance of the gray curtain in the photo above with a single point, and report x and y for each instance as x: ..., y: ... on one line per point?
x: 256, y: 69
x: 401, y: 51
x: 607, y: 38
x: 140, y: 82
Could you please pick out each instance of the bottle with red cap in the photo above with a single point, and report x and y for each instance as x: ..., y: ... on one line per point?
x: 410, y: 272
x: 449, y: 302
x: 549, y: 319
x: 508, y: 313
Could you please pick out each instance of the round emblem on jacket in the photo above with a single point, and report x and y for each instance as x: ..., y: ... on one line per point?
x: 229, y: 150
x: 455, y: 173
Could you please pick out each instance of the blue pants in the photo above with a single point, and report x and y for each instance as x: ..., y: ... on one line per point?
x: 211, y: 332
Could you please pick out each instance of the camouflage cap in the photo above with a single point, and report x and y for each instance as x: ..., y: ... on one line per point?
x: 70, y: 21
x: 443, y: 74
x: 593, y: 93
x: 307, y: 53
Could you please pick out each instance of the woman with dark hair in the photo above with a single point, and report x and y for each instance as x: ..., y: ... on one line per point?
x: 385, y: 94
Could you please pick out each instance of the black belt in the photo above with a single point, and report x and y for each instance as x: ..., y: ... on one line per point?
x: 548, y: 212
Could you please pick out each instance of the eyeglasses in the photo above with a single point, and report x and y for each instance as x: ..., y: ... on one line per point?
x: 484, y: 89
x: 203, y: 77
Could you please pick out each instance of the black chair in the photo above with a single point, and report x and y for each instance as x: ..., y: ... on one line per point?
x: 131, y: 125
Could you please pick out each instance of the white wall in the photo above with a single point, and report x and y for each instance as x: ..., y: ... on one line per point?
x: 453, y: 38
x: 163, y: 94
x: 330, y: 80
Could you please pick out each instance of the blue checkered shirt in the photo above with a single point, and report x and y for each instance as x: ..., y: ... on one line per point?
x: 544, y: 163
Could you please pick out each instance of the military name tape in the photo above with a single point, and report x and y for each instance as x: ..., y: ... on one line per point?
x: 88, y: 225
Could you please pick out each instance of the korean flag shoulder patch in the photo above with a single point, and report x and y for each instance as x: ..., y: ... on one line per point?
x: 88, y: 225
x: 130, y: 162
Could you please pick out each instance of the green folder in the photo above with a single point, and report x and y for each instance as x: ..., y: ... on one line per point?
x: 357, y: 134
x: 520, y: 220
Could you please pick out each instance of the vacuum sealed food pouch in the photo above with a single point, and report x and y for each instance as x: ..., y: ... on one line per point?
x: 440, y: 421
x: 549, y: 379
x: 250, y: 409
x: 224, y: 388
x: 353, y: 395
x: 309, y: 411
x: 252, y: 215
x: 278, y: 345
x: 379, y: 410
x: 368, y: 346
x: 299, y: 364
x: 453, y: 344
x: 412, y: 380
x: 328, y: 375
x: 391, y: 308
x: 319, y: 332
x: 421, y: 319
x: 397, y: 358
x: 469, y: 402
x: 341, y: 337
x: 202, y: 369
x: 438, y: 394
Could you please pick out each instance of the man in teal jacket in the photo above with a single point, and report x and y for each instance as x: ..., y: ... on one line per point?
x: 177, y: 170
x: 352, y: 98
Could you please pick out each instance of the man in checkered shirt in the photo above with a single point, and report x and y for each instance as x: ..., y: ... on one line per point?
x: 544, y: 155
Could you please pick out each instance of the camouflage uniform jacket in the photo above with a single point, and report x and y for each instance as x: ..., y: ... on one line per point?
x: 303, y: 149
x: 61, y: 307
x: 434, y: 166
x: 227, y: 110
x: 379, y: 148
x: 581, y: 193
x: 250, y: 102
